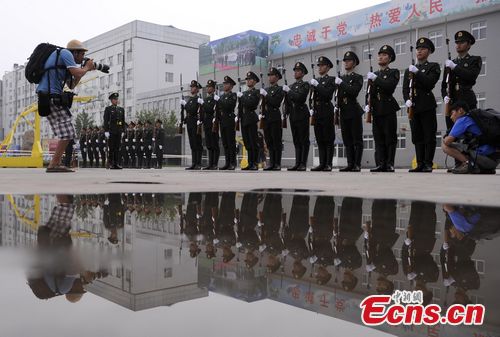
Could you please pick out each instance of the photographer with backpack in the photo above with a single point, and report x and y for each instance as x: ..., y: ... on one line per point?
x: 471, y: 141
x: 61, y: 67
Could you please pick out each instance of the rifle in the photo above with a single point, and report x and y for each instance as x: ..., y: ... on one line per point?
x: 215, y: 125
x: 312, y: 96
x: 411, y: 76
x: 447, y: 72
x: 199, y: 127
x: 286, y: 108
x: 262, y: 103
x: 368, y: 99
x: 181, y: 123
x: 336, y: 96
x: 237, y: 124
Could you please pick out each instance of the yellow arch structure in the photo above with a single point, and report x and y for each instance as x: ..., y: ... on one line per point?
x: 36, y: 157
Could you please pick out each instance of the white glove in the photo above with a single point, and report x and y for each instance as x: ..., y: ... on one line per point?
x: 239, y: 245
x: 85, y: 143
x: 407, y: 241
x: 183, y: 102
x: 371, y: 267
x: 213, y: 120
x: 285, y: 252
x: 367, y: 108
x: 286, y: 88
x: 133, y: 140
x: 216, y: 98
x: 448, y: 281
x: 239, y: 94
x: 126, y: 139
x: 198, y: 122
x: 338, y: 80
x: 313, y: 259
x: 446, y: 100
x: 126, y: 148
x: 337, y: 261
x: 261, y: 116
x: 200, y: 101
x: 408, y: 103
x: 149, y: 147
x: 153, y: 139
x: 411, y: 276
x: 445, y: 246
x: 106, y: 134
x: 262, y: 248
x: 311, y: 112
x: 161, y: 147
x: 142, y: 148
x: 336, y: 110
x: 450, y: 64
x: 263, y: 92
x: 236, y: 119
x: 371, y: 76
x: 413, y: 69
x: 313, y: 82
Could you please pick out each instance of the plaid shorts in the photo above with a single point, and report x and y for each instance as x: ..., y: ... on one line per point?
x: 60, y: 219
x: 60, y: 122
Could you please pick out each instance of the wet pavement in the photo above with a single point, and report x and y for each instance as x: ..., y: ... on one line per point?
x: 267, y: 262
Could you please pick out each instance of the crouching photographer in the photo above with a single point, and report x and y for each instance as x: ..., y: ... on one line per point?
x: 465, y: 142
x: 62, y: 67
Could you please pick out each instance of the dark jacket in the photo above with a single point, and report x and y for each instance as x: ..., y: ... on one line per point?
x: 114, y: 119
x: 297, y: 97
x: 383, y: 101
x: 424, y: 81
x: 348, y: 96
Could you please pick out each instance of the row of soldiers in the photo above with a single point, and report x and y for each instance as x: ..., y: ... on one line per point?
x: 126, y: 145
x: 307, y: 103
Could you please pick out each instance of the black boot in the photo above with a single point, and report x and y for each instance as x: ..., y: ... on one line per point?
x: 298, y: 158
x: 350, y: 159
x: 304, y: 155
x: 430, y: 150
x: 358, y: 155
x: 271, y: 160
x: 215, y: 159
x: 210, y: 160
x: 277, y: 160
x: 391, y: 155
x: 255, y: 164
x: 329, y: 158
x: 322, y: 159
x: 193, y: 160
x: 198, y: 156
x: 419, y: 155
x: 227, y: 160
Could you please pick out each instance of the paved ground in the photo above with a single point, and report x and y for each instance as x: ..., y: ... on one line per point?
x: 438, y: 186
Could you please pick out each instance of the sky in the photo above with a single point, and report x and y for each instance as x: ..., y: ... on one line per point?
x: 25, y: 23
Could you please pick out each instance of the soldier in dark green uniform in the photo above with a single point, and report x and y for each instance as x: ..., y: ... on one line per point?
x: 113, y: 216
x: 114, y: 125
x: 211, y: 138
x: 130, y: 142
x: 464, y: 70
x: 351, y: 120
x: 139, y: 144
x: 324, y: 129
x: 192, y: 106
x: 102, y: 142
x: 225, y: 115
x: 148, y: 143
x: 88, y: 142
x: 273, y: 97
x: 299, y: 116
x: 249, y: 100
x: 95, y: 145
x: 124, y: 158
x: 159, y: 143
x: 424, y: 122
x: 384, y: 107
x: 83, y: 146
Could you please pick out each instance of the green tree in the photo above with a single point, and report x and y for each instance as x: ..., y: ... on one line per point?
x: 169, y: 119
x: 83, y: 120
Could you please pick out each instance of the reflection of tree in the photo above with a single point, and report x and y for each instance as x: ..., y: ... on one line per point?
x: 82, y: 209
x: 83, y: 120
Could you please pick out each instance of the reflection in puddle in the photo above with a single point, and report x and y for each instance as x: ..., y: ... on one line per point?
x: 320, y: 253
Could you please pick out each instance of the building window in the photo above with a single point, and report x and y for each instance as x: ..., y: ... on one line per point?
x: 129, y: 55
x: 437, y: 38
x: 400, y: 46
x: 129, y: 112
x: 167, y: 272
x: 119, y: 77
x: 483, y: 67
x: 129, y: 92
x: 110, y: 79
x: 368, y: 142
x: 169, y: 77
x: 481, y: 100
x: 102, y: 81
x: 169, y: 59
x: 110, y: 61
x: 129, y: 75
x: 366, y: 51
x: 120, y: 58
x: 478, y: 30
x: 340, y: 151
x: 401, y: 141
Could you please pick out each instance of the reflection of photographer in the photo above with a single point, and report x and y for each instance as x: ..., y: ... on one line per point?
x: 463, y: 143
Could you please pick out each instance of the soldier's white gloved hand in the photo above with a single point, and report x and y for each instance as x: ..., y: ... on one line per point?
x: 183, y: 102
x: 216, y: 98
x: 446, y: 100
x: 313, y: 82
x: 213, y: 120
x: 149, y: 147
x: 198, y: 122
x: 336, y: 110
x: 286, y: 88
x: 448, y: 281
x: 236, y: 119
x: 413, y: 69
x: 367, y: 108
x: 261, y: 116
x: 133, y: 140
x: 263, y: 92
x: 338, y: 80
x: 126, y: 148
x: 371, y: 76
x: 106, y: 134
x: 450, y: 64
x: 311, y: 112
x: 239, y: 94
x: 200, y: 101
x: 407, y: 241
x: 408, y: 103
x: 161, y: 147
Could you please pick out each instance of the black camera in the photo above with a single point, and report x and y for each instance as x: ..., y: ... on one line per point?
x: 97, y: 66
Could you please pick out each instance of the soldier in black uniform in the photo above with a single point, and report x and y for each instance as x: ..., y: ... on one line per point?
x: 101, y: 139
x: 113, y: 215
x: 139, y: 144
x: 464, y: 70
x: 273, y: 97
x: 159, y: 143
x: 114, y: 125
x: 384, y: 107
x: 124, y: 158
x: 83, y: 146
x: 211, y: 138
x: 192, y: 106
x: 296, y: 232
x: 95, y: 145
x: 299, y: 116
x: 130, y: 142
x: 225, y: 232
x: 88, y: 143
x: 148, y: 143
x: 424, y: 122
x: 351, y: 120
x: 324, y: 129
x: 225, y: 115
x: 249, y: 100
